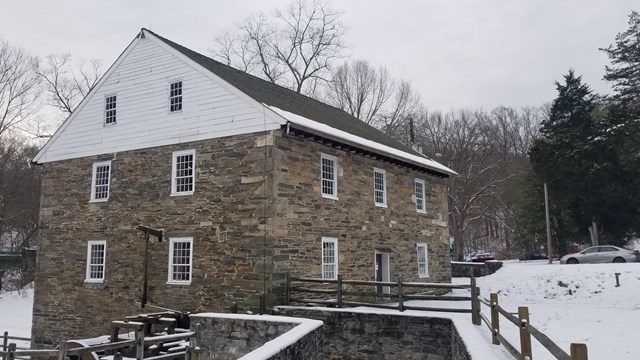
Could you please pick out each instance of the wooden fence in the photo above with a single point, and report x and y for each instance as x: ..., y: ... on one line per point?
x: 336, y: 293
x: 577, y: 351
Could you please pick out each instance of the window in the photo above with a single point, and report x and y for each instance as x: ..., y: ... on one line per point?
x: 96, y: 251
x: 328, y: 179
x: 100, y: 181
x: 182, y: 174
x: 329, y: 258
x: 175, y: 96
x: 423, y: 270
x: 420, y: 196
x: 379, y: 187
x: 180, y: 256
x: 110, y: 110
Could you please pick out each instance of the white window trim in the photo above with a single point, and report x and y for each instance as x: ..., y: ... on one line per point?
x: 90, y: 244
x: 93, y: 181
x: 334, y: 241
x: 172, y: 242
x: 173, y: 81
x: 104, y: 120
x: 426, y: 259
x: 335, y: 176
x: 424, y: 196
x: 174, y: 156
x: 384, y: 187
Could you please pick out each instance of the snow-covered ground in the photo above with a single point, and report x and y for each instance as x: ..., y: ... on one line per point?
x: 569, y: 303
x: 572, y: 303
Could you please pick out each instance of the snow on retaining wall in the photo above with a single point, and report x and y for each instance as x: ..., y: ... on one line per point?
x: 257, y: 337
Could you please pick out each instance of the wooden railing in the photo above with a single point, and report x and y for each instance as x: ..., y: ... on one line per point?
x: 338, y: 293
x: 577, y: 351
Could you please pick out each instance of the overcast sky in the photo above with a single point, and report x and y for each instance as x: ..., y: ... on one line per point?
x: 466, y: 53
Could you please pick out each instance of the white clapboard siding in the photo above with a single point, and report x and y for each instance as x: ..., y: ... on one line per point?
x: 140, y: 79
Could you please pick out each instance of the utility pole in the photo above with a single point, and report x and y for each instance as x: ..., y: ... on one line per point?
x: 546, y: 212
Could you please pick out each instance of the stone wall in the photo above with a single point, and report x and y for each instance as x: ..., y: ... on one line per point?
x: 354, y: 335
x: 229, y: 337
x: 256, y: 213
x: 471, y: 269
x: 302, y: 216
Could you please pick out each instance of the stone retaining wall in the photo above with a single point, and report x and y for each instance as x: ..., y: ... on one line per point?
x: 352, y: 335
x: 469, y: 269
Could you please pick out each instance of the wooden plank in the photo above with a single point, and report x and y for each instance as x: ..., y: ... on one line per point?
x: 543, y: 339
x: 170, y: 337
x: 485, y: 320
x: 101, y: 347
x: 310, y: 290
x: 495, y: 319
x: 176, y: 355
x: 510, y: 348
x: 508, y: 316
x: 453, y: 310
x: 437, y: 297
x: 474, y: 303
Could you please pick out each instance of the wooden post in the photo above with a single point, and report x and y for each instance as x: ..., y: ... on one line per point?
x: 62, y: 351
x: 525, y: 337
x: 287, y: 300
x: 234, y: 308
x: 495, y: 319
x: 117, y: 356
x: 11, y: 349
x: 579, y: 352
x: 400, y: 295
x: 339, y: 292
x: 5, y: 342
x: 474, y: 302
x: 140, y: 344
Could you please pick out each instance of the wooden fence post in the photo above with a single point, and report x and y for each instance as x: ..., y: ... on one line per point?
x: 5, y: 342
x: 11, y: 349
x: 525, y: 337
x: 62, y: 351
x: 495, y: 319
x: 400, y: 295
x: 474, y: 302
x: 140, y: 344
x: 287, y: 299
x: 339, y: 292
x: 579, y: 352
x: 234, y: 308
x: 117, y: 356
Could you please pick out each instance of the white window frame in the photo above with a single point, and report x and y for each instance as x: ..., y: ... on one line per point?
x: 94, y: 179
x: 170, y: 274
x: 174, y: 183
x: 90, y: 245
x: 420, y: 196
x: 333, y: 196
x: 114, y: 109
x: 384, y: 187
x: 334, y: 241
x: 181, y: 96
x: 421, y: 273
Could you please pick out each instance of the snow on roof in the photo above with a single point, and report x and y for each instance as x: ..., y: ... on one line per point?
x: 283, y: 341
x: 301, y: 120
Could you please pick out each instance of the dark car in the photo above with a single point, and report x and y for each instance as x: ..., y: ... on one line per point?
x: 532, y: 256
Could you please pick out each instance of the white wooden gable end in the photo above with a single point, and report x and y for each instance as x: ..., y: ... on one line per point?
x: 140, y: 79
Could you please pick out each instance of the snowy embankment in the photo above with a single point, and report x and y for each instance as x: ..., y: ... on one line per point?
x: 571, y: 303
x: 15, y: 313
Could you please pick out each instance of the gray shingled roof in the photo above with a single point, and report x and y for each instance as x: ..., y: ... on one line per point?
x: 288, y: 100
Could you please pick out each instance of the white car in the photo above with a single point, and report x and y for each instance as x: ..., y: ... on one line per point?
x: 601, y: 254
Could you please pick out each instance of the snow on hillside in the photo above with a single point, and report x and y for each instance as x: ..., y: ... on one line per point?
x: 15, y: 312
x: 572, y: 303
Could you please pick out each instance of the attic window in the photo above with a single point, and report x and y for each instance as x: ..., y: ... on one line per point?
x: 175, y: 96
x: 110, y: 110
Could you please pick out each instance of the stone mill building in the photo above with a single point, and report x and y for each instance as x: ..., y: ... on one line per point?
x: 245, y: 179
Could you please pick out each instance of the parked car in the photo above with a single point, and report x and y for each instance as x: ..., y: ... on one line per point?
x: 601, y: 254
x: 532, y: 256
x: 482, y: 257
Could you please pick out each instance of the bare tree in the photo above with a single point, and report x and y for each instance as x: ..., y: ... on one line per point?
x: 66, y: 82
x: 19, y: 86
x: 295, y: 48
x: 360, y: 89
x: 489, y: 151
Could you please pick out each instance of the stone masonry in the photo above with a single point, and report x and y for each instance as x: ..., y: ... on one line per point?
x: 256, y: 213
